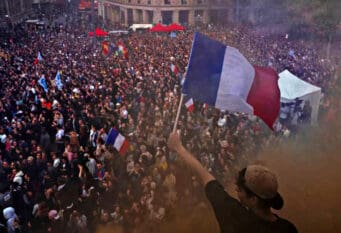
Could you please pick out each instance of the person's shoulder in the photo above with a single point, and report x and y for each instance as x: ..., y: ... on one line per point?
x: 286, y: 225
x: 213, y: 185
x: 215, y: 191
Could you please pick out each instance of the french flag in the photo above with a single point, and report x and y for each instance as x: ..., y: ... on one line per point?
x: 38, y: 59
x: 174, y: 69
x: 222, y: 77
x: 190, y: 105
x: 118, y: 141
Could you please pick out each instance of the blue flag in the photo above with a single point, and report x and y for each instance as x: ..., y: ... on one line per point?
x: 58, y: 81
x: 172, y: 35
x: 40, y: 58
x: 43, y: 84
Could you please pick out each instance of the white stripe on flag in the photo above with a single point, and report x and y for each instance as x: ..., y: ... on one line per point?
x: 119, y: 141
x: 235, y: 82
x: 189, y: 103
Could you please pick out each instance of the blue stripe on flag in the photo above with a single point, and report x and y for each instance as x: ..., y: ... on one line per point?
x: 112, y: 135
x: 204, y: 69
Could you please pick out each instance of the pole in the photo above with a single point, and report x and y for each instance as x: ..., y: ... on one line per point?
x: 93, y: 19
x: 237, y: 11
x: 178, y: 113
x: 7, y: 8
x: 93, y: 14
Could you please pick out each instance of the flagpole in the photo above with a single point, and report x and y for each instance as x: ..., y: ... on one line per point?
x: 178, y: 113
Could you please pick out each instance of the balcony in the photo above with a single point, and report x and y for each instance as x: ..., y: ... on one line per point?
x: 157, y: 3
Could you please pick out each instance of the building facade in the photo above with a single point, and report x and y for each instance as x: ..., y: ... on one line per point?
x: 185, y: 12
x: 15, y: 10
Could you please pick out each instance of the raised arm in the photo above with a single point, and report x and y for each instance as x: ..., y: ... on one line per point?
x: 174, y: 143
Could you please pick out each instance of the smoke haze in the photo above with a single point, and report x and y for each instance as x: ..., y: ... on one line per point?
x: 308, y: 170
x: 309, y: 176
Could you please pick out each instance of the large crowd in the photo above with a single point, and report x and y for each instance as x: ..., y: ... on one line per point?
x: 56, y: 173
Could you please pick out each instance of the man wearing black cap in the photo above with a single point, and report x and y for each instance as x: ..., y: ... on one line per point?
x: 257, y: 191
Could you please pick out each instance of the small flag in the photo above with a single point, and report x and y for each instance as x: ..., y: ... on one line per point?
x: 174, y: 69
x: 43, y: 84
x: 40, y: 58
x: 122, y: 49
x: 172, y: 35
x: 221, y: 76
x: 190, y: 105
x: 58, y: 81
x: 118, y: 141
x: 47, y: 105
x: 107, y: 48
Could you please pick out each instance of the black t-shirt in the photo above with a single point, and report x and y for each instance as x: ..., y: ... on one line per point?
x: 234, y: 218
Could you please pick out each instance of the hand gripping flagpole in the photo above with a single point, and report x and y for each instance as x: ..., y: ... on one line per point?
x: 178, y: 113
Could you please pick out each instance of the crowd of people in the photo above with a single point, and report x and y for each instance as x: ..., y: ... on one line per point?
x: 56, y: 173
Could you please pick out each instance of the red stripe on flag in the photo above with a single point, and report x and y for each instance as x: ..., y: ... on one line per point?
x: 190, y: 105
x: 264, y: 95
x: 124, y: 148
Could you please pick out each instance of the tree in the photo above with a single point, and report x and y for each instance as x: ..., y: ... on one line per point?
x: 323, y: 15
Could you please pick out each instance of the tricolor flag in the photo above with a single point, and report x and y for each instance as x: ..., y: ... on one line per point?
x: 43, y: 84
x: 118, y: 141
x: 174, y: 69
x: 58, y: 81
x: 221, y: 76
x: 122, y: 49
x: 38, y: 59
x: 190, y: 105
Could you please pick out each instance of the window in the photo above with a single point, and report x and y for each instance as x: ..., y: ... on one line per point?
x: 183, y: 2
x: 167, y: 2
x: 149, y: 2
x: 200, y: 1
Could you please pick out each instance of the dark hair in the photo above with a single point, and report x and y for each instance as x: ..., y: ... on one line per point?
x: 276, y: 202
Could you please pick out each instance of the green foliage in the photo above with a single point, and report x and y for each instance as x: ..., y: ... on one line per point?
x: 326, y: 22
x: 324, y: 15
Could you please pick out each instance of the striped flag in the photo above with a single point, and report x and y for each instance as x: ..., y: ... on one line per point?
x: 190, y: 105
x: 174, y: 69
x: 222, y: 77
x: 122, y: 49
x: 118, y: 141
x: 107, y: 48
